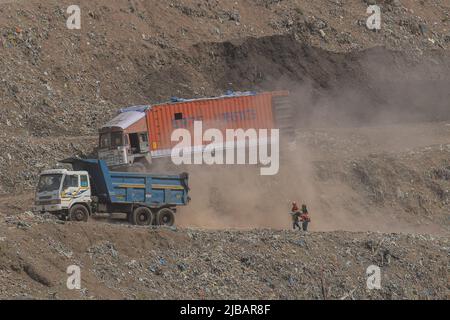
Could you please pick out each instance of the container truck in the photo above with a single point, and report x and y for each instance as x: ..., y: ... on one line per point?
x: 139, y: 134
x: 91, y: 189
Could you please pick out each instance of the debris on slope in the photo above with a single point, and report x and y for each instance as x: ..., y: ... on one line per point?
x: 57, y: 86
x: 59, y: 83
x: 23, y: 157
x: 136, y: 262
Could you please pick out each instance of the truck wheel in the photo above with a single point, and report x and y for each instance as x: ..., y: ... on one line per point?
x: 142, y: 216
x: 78, y: 213
x: 165, y: 217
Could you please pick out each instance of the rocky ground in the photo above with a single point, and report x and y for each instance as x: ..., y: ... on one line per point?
x: 58, y: 83
x: 124, y: 262
x: 373, y: 147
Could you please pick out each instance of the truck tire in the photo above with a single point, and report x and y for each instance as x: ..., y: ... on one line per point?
x: 165, y: 217
x: 142, y: 216
x: 78, y: 213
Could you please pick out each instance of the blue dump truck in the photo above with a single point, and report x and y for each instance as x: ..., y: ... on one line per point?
x: 90, y: 189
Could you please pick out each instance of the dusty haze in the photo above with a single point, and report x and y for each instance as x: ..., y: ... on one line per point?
x: 381, y: 105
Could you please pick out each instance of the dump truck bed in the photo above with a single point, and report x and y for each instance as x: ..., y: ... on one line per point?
x: 130, y: 187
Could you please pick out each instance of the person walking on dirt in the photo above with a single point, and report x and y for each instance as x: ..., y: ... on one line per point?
x: 304, y: 218
x: 295, y: 213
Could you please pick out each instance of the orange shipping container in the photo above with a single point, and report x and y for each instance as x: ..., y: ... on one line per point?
x: 245, y: 110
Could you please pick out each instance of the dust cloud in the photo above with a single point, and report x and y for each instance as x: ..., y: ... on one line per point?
x: 380, y: 92
x: 237, y: 196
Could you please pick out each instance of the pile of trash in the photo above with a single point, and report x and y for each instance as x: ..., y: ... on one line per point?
x: 119, y: 261
x: 23, y: 158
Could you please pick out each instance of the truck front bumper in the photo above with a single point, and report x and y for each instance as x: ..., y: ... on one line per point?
x: 51, y: 208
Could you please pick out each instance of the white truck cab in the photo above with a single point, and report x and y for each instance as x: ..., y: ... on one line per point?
x: 124, y: 140
x: 63, y: 192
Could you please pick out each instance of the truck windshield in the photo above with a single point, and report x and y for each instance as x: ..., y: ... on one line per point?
x: 116, y: 139
x: 49, y: 182
x: 105, y: 141
x: 111, y: 140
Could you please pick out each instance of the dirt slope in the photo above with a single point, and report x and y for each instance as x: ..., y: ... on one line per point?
x: 60, y: 85
x: 65, y: 83
x: 118, y: 261
x: 373, y: 146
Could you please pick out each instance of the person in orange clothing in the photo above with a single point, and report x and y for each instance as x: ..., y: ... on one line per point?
x: 295, y: 213
x: 294, y: 207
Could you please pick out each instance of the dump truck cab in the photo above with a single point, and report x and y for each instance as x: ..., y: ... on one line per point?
x: 124, y: 139
x: 59, y: 190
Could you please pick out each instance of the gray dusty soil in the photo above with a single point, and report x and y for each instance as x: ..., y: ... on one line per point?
x: 372, y: 159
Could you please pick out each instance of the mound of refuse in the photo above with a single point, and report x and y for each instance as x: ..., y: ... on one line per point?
x: 118, y: 261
